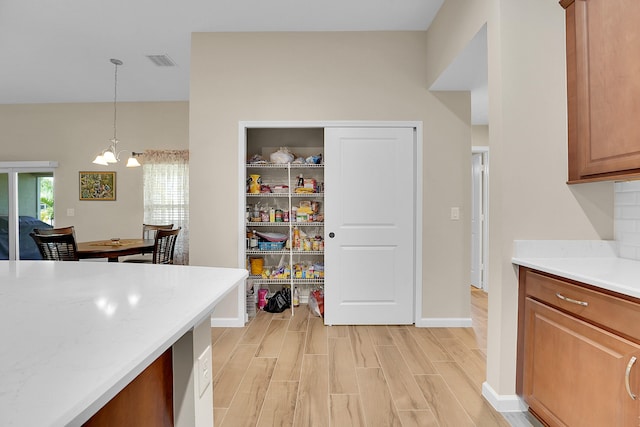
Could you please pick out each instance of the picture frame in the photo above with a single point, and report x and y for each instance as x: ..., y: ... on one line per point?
x: 97, y: 185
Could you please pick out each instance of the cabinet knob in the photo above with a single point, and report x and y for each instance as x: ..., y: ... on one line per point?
x: 332, y: 235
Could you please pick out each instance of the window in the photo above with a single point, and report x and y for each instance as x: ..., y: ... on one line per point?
x: 166, y: 194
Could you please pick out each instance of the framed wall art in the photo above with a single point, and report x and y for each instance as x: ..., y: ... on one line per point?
x: 97, y: 185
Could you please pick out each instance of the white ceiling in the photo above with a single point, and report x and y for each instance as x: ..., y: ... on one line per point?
x: 59, y: 50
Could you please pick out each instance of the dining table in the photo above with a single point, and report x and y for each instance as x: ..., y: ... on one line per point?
x: 112, y: 249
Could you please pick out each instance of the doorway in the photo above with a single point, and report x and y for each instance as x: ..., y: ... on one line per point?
x: 412, y: 274
x: 479, y: 216
x: 26, y: 202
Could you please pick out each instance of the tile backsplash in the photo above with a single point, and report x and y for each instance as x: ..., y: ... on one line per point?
x: 626, y: 214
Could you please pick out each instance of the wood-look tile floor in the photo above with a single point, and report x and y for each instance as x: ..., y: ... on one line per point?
x: 283, y: 370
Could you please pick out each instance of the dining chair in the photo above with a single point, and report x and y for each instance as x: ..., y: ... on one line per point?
x: 61, y: 230
x: 148, y: 233
x: 149, y: 230
x: 56, y: 247
x: 164, y: 247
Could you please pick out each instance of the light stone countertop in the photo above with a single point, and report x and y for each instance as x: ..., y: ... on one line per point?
x: 593, y: 262
x: 73, y: 334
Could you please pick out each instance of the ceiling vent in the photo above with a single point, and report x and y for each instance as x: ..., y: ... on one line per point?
x: 162, y: 60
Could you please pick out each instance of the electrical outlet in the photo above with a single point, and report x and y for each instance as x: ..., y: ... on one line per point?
x: 204, y: 370
x: 71, y: 212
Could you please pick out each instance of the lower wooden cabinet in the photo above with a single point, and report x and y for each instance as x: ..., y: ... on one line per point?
x: 573, y: 371
x: 145, y: 401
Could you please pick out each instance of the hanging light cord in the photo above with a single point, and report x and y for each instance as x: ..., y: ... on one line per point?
x: 115, y: 98
x: 111, y: 154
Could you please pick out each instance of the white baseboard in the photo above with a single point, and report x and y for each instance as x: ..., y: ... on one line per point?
x: 503, y: 403
x: 444, y: 322
x: 226, y: 322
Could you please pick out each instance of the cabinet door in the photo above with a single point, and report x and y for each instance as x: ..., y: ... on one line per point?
x: 575, y: 373
x: 603, y: 65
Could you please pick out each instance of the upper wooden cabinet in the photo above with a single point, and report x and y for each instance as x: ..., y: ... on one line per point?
x: 603, y: 85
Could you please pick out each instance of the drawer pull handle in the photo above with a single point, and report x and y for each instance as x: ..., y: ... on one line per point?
x: 626, y: 376
x: 571, y: 300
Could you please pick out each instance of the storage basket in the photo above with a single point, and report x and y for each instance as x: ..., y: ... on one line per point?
x: 270, y: 246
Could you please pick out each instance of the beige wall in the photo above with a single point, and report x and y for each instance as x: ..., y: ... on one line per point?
x: 320, y: 76
x: 455, y: 25
x: 480, y: 135
x: 527, y: 136
x: 73, y: 134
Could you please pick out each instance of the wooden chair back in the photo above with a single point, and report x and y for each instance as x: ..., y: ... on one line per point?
x: 165, y: 245
x: 61, y: 230
x: 148, y: 233
x: 56, y: 247
x: 149, y: 230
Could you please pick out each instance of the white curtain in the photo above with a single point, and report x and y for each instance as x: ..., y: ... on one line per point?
x: 166, y: 194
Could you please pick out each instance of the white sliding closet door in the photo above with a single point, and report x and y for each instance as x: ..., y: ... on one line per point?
x: 370, y: 181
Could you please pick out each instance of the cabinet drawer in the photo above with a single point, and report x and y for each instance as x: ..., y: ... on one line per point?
x: 613, y: 313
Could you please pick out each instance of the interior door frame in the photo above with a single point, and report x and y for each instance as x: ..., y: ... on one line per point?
x: 418, y: 190
x: 484, y: 196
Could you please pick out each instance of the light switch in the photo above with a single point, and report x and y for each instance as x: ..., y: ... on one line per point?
x: 455, y: 213
x: 71, y: 212
x: 204, y: 370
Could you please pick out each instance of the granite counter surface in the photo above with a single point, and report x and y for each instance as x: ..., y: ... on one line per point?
x: 74, y: 334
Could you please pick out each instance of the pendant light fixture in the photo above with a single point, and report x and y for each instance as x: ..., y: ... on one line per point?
x: 111, y: 153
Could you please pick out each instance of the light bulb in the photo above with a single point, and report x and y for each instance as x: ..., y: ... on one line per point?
x: 99, y: 160
x: 132, y: 162
x: 109, y: 157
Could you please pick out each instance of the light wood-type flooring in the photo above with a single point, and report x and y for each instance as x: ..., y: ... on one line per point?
x: 281, y: 370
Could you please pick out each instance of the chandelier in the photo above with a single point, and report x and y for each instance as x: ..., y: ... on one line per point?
x: 111, y: 153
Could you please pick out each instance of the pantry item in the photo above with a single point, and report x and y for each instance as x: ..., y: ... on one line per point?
x: 315, y: 160
x: 262, y: 298
x: 254, y: 183
x: 304, y: 190
x: 280, y: 189
x: 272, y: 237
x: 296, y: 238
x: 296, y: 297
x: 256, y: 264
x: 270, y: 246
x: 283, y: 155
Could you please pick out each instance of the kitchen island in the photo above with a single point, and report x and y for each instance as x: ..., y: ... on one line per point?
x: 578, y: 333
x: 74, y: 334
